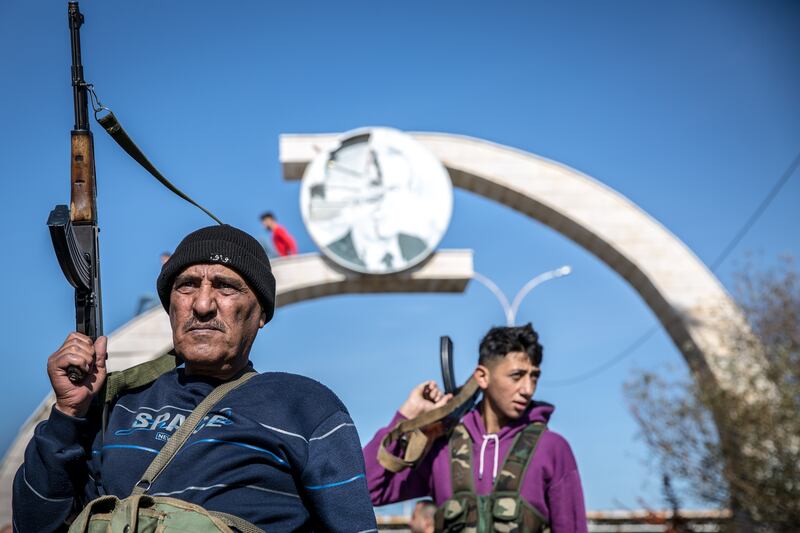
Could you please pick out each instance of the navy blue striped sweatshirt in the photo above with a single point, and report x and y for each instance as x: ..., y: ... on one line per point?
x: 280, y: 451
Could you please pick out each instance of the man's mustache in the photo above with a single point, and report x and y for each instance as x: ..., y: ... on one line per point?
x: 194, y: 323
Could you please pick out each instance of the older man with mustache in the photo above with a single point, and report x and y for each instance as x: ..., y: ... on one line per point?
x: 279, y: 451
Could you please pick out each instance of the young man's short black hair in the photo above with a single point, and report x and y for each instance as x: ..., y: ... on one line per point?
x: 268, y: 214
x: 501, y: 341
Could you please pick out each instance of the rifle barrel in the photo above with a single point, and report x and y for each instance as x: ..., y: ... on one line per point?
x: 78, y: 84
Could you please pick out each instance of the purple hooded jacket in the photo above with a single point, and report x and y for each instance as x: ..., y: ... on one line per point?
x: 551, y: 485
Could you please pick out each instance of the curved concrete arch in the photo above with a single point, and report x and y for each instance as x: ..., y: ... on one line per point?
x: 298, y: 278
x: 687, y: 298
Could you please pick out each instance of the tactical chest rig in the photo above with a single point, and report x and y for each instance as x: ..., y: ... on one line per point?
x: 503, y: 510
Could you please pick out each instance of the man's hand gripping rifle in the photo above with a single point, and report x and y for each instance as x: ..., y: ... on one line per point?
x: 415, y: 436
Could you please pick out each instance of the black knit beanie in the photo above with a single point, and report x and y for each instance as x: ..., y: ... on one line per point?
x: 228, y: 246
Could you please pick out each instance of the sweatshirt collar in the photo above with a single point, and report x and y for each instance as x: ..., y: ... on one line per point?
x: 536, y: 412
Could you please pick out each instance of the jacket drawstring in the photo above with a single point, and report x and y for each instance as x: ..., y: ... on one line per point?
x: 486, y: 439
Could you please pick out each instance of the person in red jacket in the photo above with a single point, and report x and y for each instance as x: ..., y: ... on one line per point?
x: 282, y: 240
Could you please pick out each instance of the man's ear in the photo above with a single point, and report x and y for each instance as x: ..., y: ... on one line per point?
x: 262, y: 320
x: 482, y: 376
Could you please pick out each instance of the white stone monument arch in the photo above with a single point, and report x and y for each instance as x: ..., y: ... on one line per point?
x: 684, y: 294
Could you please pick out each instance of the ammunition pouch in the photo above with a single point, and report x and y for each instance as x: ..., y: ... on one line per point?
x: 459, y: 514
x: 154, y: 514
x: 497, y: 512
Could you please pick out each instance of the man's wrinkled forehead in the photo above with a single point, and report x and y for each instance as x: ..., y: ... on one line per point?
x: 209, y: 270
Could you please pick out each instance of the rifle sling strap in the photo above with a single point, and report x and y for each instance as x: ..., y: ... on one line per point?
x: 114, y: 128
x: 137, y: 376
x: 417, y: 441
x: 185, y: 430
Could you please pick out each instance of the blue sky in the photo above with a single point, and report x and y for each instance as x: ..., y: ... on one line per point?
x: 689, y: 109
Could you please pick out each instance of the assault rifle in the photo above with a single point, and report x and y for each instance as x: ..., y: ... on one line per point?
x: 416, y: 435
x: 74, y: 230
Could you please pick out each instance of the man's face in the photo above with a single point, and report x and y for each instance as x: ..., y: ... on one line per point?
x: 421, y: 519
x: 215, y: 317
x: 509, y: 384
x: 267, y: 222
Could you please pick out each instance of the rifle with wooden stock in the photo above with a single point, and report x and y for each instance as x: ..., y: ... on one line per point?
x: 74, y: 230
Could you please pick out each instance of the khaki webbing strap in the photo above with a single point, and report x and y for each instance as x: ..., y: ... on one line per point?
x: 114, y: 128
x: 137, y: 376
x: 417, y: 441
x: 519, y: 457
x: 234, y: 521
x: 180, y: 437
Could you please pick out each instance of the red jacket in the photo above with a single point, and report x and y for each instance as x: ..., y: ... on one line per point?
x: 283, y: 241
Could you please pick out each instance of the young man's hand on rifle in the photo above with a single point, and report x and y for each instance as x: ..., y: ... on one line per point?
x: 423, y: 398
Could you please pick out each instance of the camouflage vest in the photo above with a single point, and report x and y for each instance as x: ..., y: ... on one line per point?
x: 502, y: 511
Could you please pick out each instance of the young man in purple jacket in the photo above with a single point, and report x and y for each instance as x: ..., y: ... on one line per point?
x: 500, y: 468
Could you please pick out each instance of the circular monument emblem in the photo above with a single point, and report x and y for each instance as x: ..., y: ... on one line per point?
x: 377, y: 201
